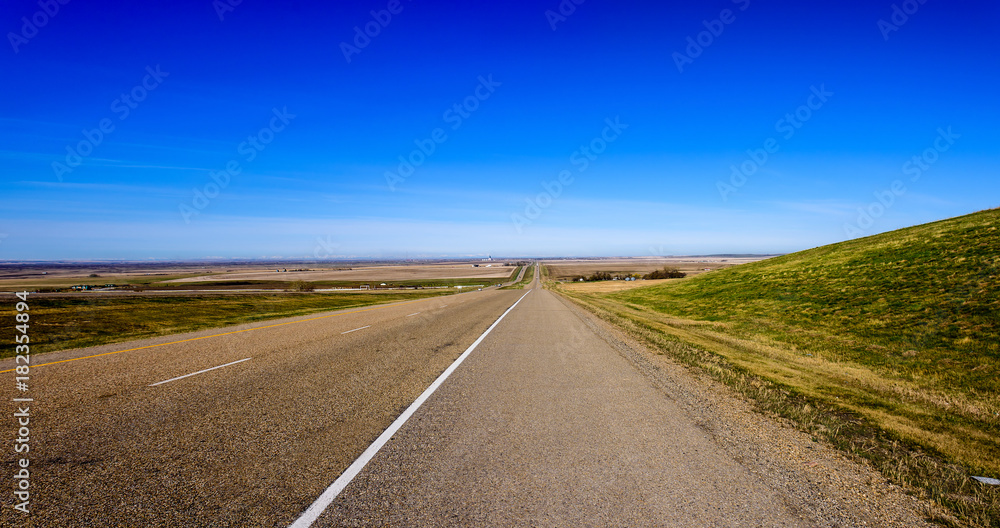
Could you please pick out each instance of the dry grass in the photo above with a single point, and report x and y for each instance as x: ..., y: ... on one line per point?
x: 610, y: 286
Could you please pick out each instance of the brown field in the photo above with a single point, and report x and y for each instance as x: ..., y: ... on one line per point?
x: 367, y: 273
x: 610, y: 286
x: 34, y: 276
x: 567, y: 269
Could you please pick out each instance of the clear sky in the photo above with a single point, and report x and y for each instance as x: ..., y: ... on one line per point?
x: 193, y: 129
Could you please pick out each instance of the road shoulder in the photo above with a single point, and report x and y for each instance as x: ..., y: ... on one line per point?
x: 815, y: 477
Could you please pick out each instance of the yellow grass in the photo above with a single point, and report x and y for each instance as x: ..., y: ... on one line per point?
x: 610, y: 286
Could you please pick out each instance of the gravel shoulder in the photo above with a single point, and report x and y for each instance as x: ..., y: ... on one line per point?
x: 813, y: 477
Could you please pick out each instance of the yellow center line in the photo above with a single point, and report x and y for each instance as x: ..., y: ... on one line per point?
x: 227, y: 333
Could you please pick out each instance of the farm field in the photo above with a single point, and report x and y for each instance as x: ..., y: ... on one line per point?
x: 568, y: 269
x: 367, y: 273
x: 611, y: 286
x: 234, y: 276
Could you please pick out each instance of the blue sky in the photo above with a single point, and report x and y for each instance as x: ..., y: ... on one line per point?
x: 641, y: 110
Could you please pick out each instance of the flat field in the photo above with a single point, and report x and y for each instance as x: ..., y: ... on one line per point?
x: 367, y: 273
x: 611, y: 286
x: 243, y: 276
x: 568, y: 269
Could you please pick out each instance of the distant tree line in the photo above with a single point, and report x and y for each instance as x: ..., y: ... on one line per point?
x: 665, y: 273
x: 604, y: 276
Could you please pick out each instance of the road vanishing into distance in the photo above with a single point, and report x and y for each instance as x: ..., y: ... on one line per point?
x: 543, y: 424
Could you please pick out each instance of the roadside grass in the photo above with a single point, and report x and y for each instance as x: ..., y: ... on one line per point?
x: 529, y: 275
x: 886, y: 347
x: 64, y: 323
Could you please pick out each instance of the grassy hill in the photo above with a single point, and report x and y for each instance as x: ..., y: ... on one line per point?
x: 922, y: 302
x: 887, y: 346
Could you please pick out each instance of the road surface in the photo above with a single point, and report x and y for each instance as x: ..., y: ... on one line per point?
x: 547, y: 425
x: 249, y: 444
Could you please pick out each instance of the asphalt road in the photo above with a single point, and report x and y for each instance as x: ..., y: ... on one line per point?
x: 547, y: 425
x: 544, y: 424
x: 249, y: 444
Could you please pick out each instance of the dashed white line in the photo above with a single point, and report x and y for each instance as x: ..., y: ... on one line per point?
x: 199, y: 372
x: 356, y: 329
x: 316, y: 509
x: 412, y: 314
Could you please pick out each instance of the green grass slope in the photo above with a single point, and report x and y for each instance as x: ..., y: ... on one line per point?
x: 920, y: 302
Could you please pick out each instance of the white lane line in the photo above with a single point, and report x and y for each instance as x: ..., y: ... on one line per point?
x: 199, y: 372
x: 355, y: 330
x: 316, y: 509
x: 412, y: 314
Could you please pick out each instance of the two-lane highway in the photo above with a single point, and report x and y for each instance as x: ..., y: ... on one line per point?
x: 547, y: 425
x: 225, y: 428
